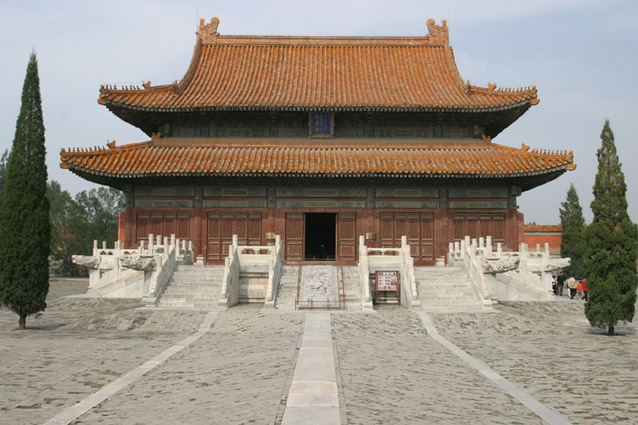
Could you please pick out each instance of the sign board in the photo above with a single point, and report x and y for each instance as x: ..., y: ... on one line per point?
x: 387, y: 281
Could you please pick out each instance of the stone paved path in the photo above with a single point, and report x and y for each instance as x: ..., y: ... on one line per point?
x: 392, y: 372
x: 235, y: 374
x: 549, y: 350
x: 388, y: 369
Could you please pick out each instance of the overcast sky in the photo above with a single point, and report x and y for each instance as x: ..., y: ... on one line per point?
x: 582, y: 55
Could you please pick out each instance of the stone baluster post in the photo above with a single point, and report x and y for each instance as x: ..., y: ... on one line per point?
x: 522, y: 253
x: 546, y: 276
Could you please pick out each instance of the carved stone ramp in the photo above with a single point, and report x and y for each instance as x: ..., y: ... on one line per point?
x: 319, y: 287
x: 446, y: 288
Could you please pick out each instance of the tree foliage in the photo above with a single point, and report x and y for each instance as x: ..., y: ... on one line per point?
x: 24, y: 215
x: 78, y: 221
x: 610, y: 259
x: 573, y: 233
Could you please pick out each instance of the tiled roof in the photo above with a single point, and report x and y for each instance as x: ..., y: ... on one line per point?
x: 319, y: 73
x: 335, y: 158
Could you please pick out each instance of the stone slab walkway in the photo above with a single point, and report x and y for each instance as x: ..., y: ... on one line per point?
x: 313, y: 398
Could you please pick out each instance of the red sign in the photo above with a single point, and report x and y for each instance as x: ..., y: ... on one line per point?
x: 386, y: 281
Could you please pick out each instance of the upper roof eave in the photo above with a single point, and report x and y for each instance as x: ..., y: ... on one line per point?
x: 429, y: 79
x: 326, y: 108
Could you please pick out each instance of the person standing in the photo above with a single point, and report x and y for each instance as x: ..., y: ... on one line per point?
x: 560, y: 283
x: 571, y: 284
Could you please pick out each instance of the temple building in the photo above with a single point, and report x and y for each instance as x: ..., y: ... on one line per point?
x: 320, y: 140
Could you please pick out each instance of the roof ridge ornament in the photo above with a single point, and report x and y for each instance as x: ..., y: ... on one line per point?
x: 438, y: 32
x: 207, y: 33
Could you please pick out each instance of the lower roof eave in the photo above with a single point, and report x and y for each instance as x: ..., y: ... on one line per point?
x: 526, y: 180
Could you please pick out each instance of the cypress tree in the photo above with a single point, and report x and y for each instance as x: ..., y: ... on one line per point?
x: 610, y: 259
x: 24, y: 214
x: 573, y: 233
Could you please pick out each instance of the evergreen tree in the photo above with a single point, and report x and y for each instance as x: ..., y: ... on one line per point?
x: 610, y: 259
x: 24, y: 215
x: 573, y: 233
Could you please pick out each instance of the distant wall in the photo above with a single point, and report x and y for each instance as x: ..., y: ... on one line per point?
x: 551, y: 234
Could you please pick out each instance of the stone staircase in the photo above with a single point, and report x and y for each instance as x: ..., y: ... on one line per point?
x: 288, y: 287
x: 253, y: 284
x: 193, y: 287
x: 445, y: 287
x: 352, y: 288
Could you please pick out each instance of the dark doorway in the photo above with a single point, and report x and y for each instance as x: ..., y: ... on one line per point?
x: 321, y: 236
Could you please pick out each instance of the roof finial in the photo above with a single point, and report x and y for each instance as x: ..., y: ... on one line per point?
x: 208, y: 32
x: 438, y: 32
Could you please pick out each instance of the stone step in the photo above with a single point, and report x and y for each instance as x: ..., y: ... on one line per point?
x: 189, y: 278
x: 201, y: 271
x: 441, y: 287
x: 193, y: 287
x: 287, y: 288
x: 173, y: 293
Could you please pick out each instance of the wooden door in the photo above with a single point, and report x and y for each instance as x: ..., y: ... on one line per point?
x: 479, y: 225
x: 427, y: 237
x: 346, y: 236
x: 223, y: 225
x: 418, y: 229
x: 294, y: 237
x: 164, y: 223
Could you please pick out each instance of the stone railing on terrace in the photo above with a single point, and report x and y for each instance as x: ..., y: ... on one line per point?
x: 263, y: 258
x: 377, y: 259
x: 142, y: 272
x: 531, y: 269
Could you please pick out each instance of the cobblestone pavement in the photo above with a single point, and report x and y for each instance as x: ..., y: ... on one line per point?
x: 235, y: 374
x: 392, y: 372
x: 389, y: 370
x: 549, y: 350
x: 77, y: 346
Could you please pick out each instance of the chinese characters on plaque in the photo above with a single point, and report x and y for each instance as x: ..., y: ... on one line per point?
x: 321, y: 124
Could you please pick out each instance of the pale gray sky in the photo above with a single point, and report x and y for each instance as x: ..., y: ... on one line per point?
x: 581, y: 55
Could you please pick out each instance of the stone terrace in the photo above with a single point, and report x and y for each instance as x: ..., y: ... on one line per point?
x: 389, y: 370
